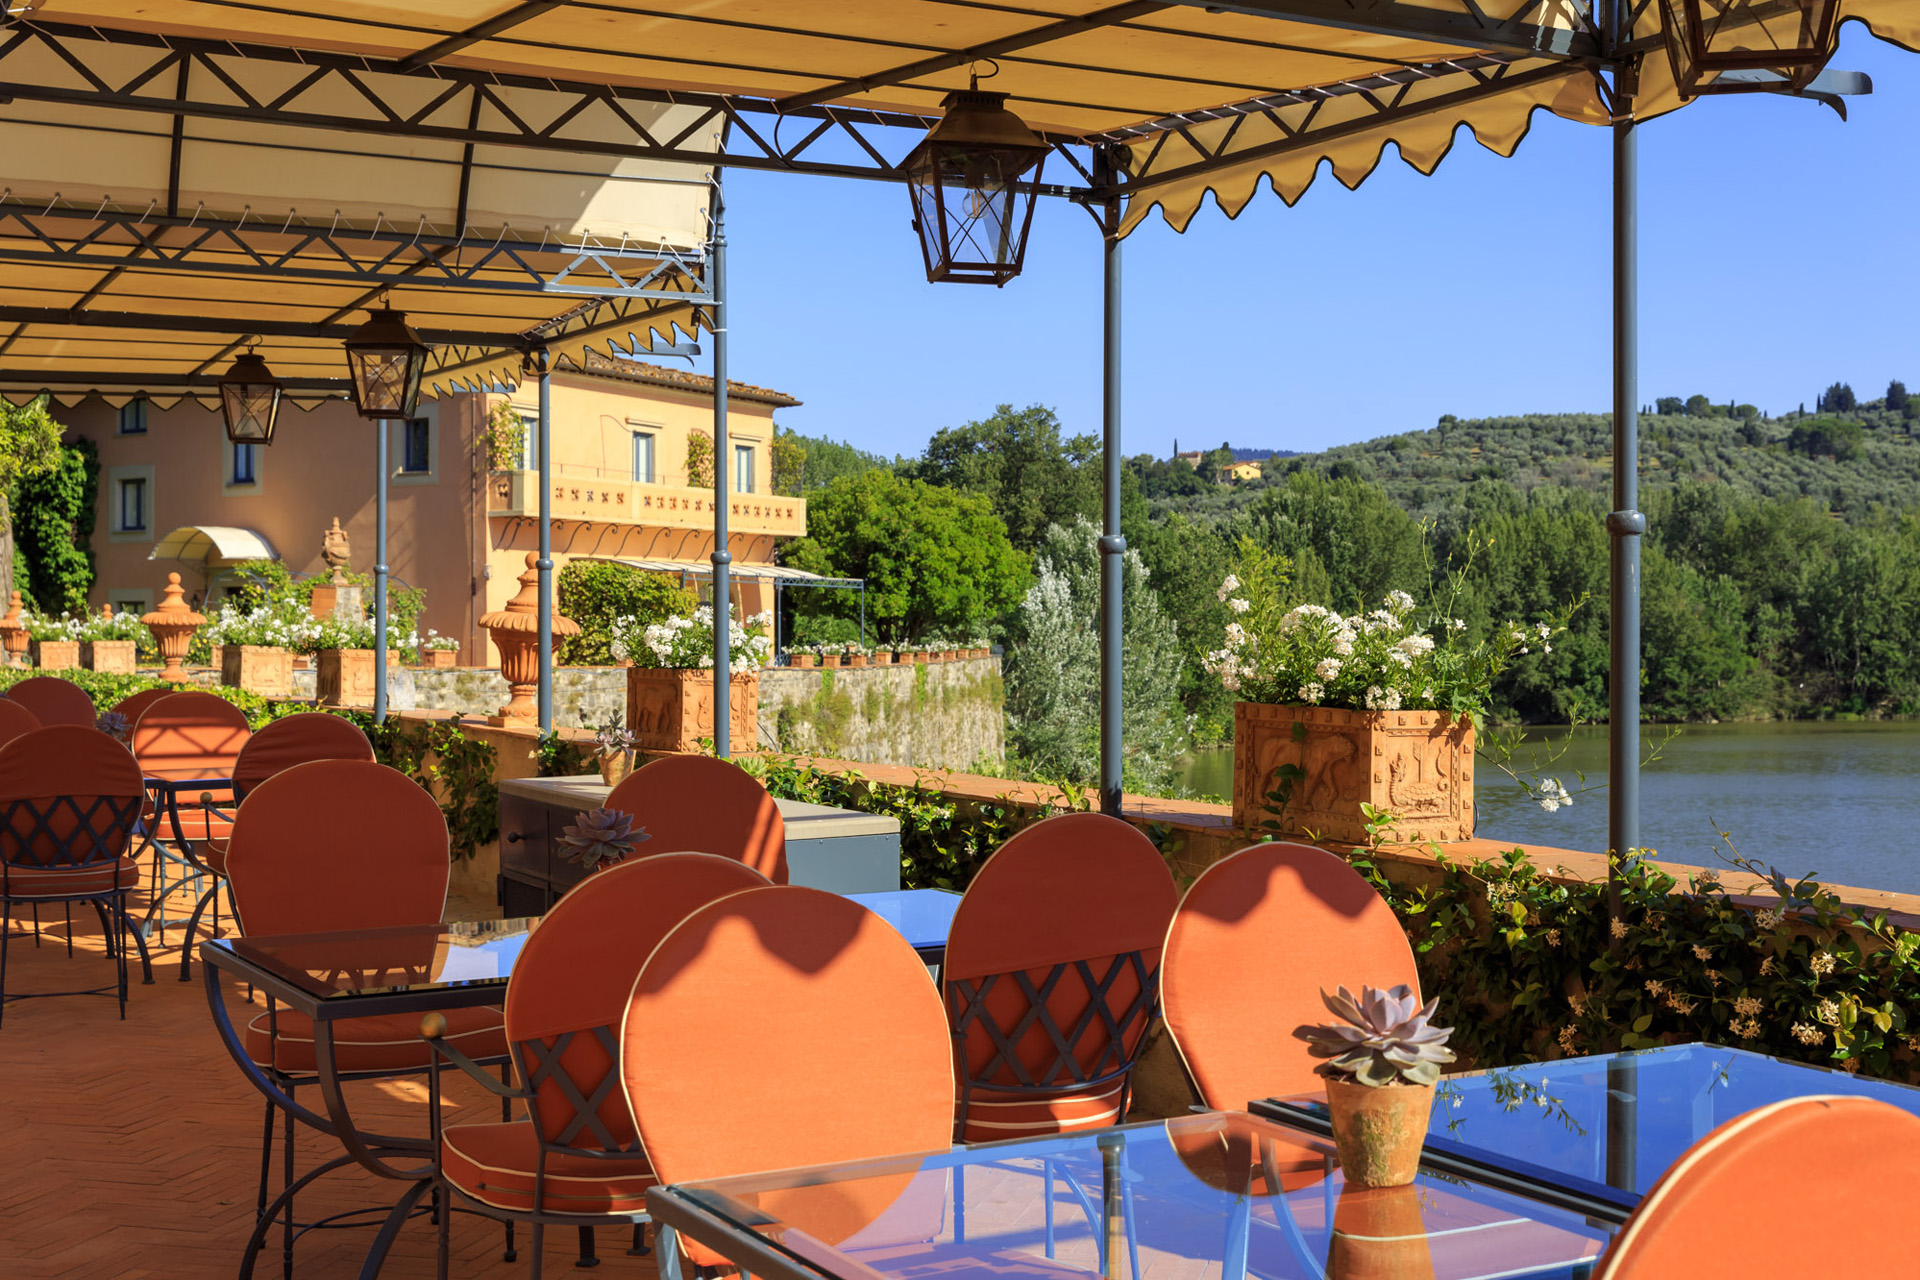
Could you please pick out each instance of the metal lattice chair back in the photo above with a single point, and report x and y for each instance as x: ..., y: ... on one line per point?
x: 1051, y: 975
x: 69, y: 798
x: 1256, y: 939
x: 697, y: 802
x: 55, y: 701
x: 571, y: 982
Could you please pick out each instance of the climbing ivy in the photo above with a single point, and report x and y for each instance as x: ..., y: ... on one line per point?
x: 53, y: 516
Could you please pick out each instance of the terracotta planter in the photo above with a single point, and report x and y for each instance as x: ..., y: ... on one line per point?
x: 829, y: 659
x: 1416, y: 765
x: 344, y: 677
x: 113, y: 656
x: 439, y: 657
x: 1379, y: 1233
x: 921, y: 657
x: 882, y: 659
x: 614, y: 766
x: 803, y: 661
x: 856, y: 660
x: 260, y: 669
x: 671, y: 708
x: 1379, y: 1130
x: 516, y: 633
x: 56, y: 655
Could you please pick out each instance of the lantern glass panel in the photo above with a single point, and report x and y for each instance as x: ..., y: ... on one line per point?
x: 250, y: 409
x: 386, y: 380
x: 1707, y: 37
x: 964, y: 181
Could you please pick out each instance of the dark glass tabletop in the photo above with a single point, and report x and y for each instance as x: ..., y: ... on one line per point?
x: 363, y: 963
x: 924, y: 917
x: 1606, y: 1127
x: 1215, y: 1194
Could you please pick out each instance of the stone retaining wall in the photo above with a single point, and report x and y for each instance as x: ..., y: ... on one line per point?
x: 934, y: 715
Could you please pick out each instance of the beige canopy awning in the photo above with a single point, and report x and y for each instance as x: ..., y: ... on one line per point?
x: 215, y: 545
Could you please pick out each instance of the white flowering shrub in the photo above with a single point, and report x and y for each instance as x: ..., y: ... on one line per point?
x: 1393, y: 658
x: 687, y: 641
x: 277, y: 626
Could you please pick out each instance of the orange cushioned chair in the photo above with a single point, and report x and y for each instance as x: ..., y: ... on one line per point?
x: 1050, y: 976
x: 576, y: 1156
x: 187, y: 744
x: 713, y: 806
x: 1256, y: 939
x: 15, y: 720
x: 280, y: 744
x: 332, y: 846
x: 782, y: 1027
x: 1763, y: 1196
x: 69, y: 799
x: 133, y: 706
x: 55, y: 701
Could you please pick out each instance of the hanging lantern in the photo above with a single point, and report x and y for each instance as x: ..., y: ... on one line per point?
x: 385, y: 359
x: 250, y: 400
x: 964, y: 180
x: 1706, y: 37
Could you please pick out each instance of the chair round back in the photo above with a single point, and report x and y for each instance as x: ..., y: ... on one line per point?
x: 69, y: 796
x: 55, y: 701
x: 784, y: 1026
x: 15, y: 720
x: 189, y: 735
x: 1075, y: 907
x: 133, y: 706
x: 715, y: 806
x: 1257, y: 938
x: 297, y: 739
x: 1862, y: 1162
x: 572, y: 980
x: 337, y: 844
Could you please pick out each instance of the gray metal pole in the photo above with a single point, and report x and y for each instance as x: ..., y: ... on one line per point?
x: 544, y: 698
x: 1112, y: 544
x: 722, y: 586
x: 1625, y: 524
x: 380, y: 574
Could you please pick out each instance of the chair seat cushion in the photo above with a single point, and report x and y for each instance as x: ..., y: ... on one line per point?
x: 389, y: 1042
x: 992, y: 1116
x: 30, y: 882
x: 495, y: 1164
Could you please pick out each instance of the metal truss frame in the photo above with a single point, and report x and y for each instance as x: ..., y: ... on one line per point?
x: 379, y: 257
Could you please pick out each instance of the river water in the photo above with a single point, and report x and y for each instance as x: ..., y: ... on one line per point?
x: 1841, y: 800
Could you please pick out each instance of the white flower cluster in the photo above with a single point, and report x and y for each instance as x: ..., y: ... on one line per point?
x: 686, y: 641
x: 268, y: 626
x: 1553, y: 795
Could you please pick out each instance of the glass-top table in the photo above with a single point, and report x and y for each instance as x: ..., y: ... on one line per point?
x: 1221, y: 1194
x: 923, y: 917
x: 369, y: 971
x: 1596, y: 1133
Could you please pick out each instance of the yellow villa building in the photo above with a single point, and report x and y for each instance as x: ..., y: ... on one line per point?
x: 175, y: 496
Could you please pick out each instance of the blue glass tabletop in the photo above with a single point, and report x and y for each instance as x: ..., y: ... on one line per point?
x: 1221, y: 1195
x: 923, y: 916
x: 1606, y: 1127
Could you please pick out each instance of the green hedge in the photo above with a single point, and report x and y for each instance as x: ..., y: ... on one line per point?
x: 595, y: 592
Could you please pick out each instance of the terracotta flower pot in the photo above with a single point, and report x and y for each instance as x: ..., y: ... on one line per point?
x: 258, y: 669
x: 114, y: 656
x: 516, y: 633
x: 671, y: 708
x: 173, y: 623
x: 56, y: 655
x: 1416, y: 765
x: 804, y: 661
x: 615, y: 766
x: 1379, y: 1130
x: 344, y: 677
x: 829, y: 659
x: 1380, y: 1233
x: 439, y: 657
x: 856, y: 660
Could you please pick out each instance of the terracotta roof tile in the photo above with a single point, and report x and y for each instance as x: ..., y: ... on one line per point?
x: 653, y: 375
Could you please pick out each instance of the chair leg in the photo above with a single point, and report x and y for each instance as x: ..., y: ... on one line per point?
x: 286, y: 1172
x: 36, y: 926
x: 539, y: 1234
x: 266, y: 1163
x: 443, y: 1244
x: 67, y: 907
x: 588, y: 1258
x: 639, y: 1248
x: 146, y: 961
x: 6, y: 932
x: 211, y: 898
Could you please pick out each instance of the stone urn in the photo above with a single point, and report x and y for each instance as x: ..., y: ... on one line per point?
x: 172, y: 624
x: 516, y: 633
x: 13, y: 632
x: 1298, y: 769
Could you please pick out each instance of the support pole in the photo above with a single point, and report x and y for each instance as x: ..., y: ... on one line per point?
x: 385, y: 429
x: 722, y: 586
x: 544, y: 565
x: 1112, y: 544
x: 1625, y: 524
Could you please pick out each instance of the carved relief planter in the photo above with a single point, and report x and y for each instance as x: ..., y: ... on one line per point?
x: 801, y: 661
x: 344, y: 677
x: 114, y: 656
x: 259, y: 669
x: 829, y: 659
x: 856, y: 660
x: 56, y: 655
x: 1416, y: 765
x: 671, y: 708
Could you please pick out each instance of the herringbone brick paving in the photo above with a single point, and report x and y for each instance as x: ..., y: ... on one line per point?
x: 131, y: 1151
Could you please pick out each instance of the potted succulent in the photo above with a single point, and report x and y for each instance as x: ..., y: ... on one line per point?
x: 1342, y: 714
x: 109, y: 641
x: 600, y: 837
x: 670, y: 684
x: 437, y: 650
x: 1383, y: 1057
x: 54, y: 644
x: 616, y: 743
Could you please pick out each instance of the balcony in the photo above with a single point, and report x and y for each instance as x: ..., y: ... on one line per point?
x: 597, y: 498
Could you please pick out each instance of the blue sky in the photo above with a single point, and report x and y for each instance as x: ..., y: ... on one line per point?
x: 1777, y: 255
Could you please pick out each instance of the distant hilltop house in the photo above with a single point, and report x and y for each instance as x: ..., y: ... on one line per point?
x: 1243, y: 471
x: 1192, y: 458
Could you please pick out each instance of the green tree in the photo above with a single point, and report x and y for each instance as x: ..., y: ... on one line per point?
x: 823, y: 461
x: 1897, y: 399
x: 789, y: 463
x: 1018, y: 461
x: 1826, y: 438
x: 936, y: 561
x: 1699, y: 407
x: 1670, y: 406
x: 1053, y: 667
x: 1837, y: 398
x: 54, y: 530
x: 595, y: 592
x: 29, y: 449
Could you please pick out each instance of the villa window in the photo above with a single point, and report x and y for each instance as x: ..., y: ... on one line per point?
x: 416, y: 454
x: 133, y: 418
x: 743, y: 468
x: 530, y: 442
x: 642, y: 458
x: 243, y: 464
x: 133, y: 506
